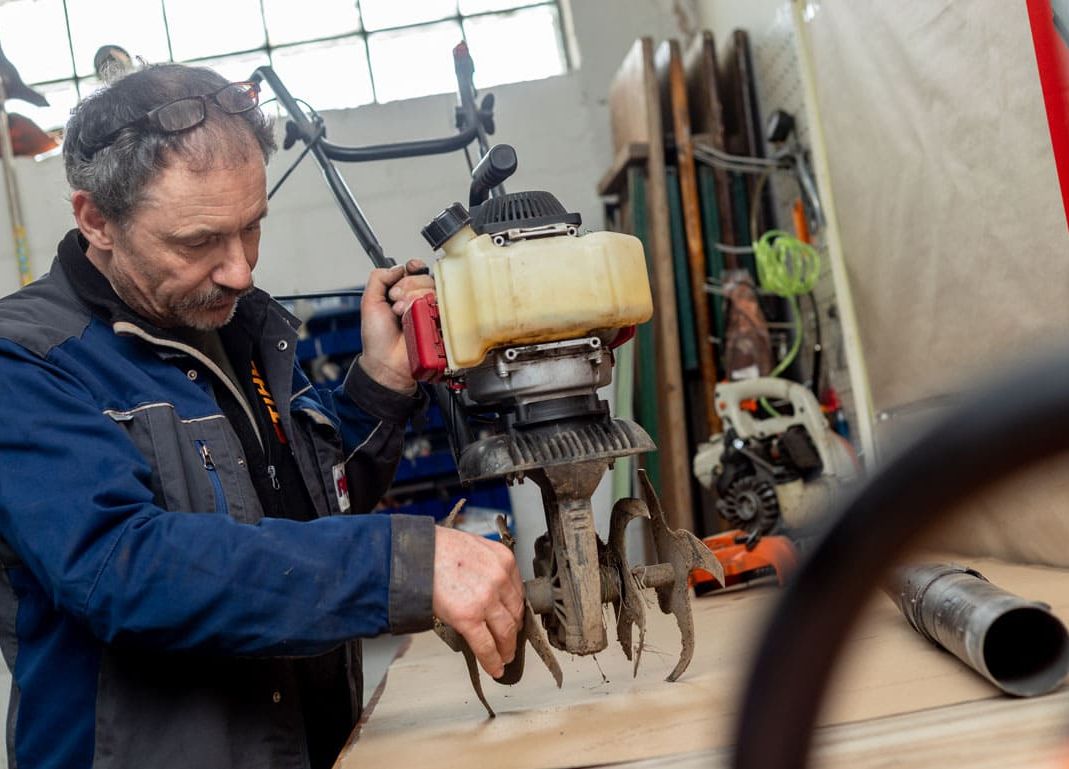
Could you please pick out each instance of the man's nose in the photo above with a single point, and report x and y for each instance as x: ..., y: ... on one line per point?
x: 234, y: 271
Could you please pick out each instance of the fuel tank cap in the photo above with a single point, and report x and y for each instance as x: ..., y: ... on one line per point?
x: 444, y: 226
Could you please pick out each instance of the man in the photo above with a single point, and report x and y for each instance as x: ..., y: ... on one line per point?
x: 183, y: 578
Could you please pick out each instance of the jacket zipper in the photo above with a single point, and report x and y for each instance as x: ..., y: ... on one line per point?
x: 272, y: 473
x: 213, y: 474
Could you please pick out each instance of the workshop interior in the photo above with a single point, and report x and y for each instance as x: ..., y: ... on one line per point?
x: 748, y: 338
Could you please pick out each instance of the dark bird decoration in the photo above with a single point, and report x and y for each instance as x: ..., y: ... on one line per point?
x: 112, y: 63
x: 14, y: 88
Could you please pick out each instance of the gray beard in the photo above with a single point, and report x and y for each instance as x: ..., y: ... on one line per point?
x: 186, y: 312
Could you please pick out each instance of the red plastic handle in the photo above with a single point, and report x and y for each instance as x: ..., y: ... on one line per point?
x: 423, y: 339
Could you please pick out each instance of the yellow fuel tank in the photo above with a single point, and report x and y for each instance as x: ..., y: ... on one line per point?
x: 537, y: 290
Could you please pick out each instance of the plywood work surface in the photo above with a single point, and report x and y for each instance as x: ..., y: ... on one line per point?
x: 428, y: 715
x: 999, y: 733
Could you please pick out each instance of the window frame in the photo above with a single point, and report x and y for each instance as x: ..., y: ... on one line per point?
x: 81, y: 81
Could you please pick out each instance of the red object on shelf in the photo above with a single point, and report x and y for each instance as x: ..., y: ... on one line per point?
x: 770, y: 556
x: 423, y: 339
x: 1052, y: 58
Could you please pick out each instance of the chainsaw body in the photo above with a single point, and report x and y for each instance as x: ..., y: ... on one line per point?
x: 780, y: 471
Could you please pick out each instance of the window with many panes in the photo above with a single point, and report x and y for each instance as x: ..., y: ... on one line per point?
x: 331, y: 53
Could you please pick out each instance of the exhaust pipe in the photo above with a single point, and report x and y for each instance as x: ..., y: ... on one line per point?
x: 1017, y: 645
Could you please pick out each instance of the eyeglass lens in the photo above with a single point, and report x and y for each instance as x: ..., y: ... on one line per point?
x: 180, y: 115
x: 186, y: 113
x: 237, y: 97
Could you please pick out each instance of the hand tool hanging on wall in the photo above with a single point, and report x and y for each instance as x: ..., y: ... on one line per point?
x: 12, y: 87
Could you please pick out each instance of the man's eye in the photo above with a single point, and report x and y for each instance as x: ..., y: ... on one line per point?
x: 200, y: 243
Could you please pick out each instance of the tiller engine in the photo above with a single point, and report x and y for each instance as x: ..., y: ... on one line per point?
x: 521, y: 332
x: 517, y: 342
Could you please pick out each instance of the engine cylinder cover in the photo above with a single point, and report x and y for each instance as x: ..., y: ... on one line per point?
x: 522, y: 375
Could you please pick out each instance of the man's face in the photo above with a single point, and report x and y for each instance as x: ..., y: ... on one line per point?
x: 186, y: 255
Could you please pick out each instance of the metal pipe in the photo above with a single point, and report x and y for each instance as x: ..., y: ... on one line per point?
x: 1017, y: 645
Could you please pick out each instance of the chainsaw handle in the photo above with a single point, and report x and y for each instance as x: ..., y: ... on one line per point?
x: 730, y: 395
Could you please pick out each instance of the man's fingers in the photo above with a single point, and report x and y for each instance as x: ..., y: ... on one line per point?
x: 503, y: 627
x: 410, y: 285
x: 479, y: 592
x: 391, y: 275
x: 483, y: 645
x: 519, y: 595
x: 416, y: 267
x: 379, y: 282
x: 400, y: 281
x: 401, y: 305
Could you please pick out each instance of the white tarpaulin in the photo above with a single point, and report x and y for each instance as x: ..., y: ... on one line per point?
x: 948, y: 201
x: 952, y: 224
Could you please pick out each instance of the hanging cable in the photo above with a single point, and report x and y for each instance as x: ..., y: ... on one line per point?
x: 724, y: 248
x: 712, y: 156
x: 789, y: 268
x: 786, y: 266
x: 467, y: 157
x: 818, y: 347
x: 321, y: 131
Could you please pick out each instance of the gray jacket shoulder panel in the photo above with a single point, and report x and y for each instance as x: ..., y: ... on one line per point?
x: 43, y: 314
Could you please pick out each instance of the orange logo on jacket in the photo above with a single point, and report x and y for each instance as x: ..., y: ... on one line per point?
x: 269, y: 402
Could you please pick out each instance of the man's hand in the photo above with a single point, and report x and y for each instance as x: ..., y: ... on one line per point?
x: 388, y: 293
x: 479, y: 593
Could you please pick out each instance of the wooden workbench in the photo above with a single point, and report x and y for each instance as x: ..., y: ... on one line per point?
x: 897, y: 701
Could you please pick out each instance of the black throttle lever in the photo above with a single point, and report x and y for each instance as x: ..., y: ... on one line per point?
x: 497, y: 165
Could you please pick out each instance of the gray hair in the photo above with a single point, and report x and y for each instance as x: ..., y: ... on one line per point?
x: 116, y: 175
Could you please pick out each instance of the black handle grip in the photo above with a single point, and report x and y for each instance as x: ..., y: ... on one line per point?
x: 496, y: 166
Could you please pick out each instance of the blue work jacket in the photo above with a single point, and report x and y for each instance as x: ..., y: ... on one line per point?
x: 151, y: 615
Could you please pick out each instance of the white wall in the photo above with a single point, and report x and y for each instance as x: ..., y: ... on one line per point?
x: 723, y: 16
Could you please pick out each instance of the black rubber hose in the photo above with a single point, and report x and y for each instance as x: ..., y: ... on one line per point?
x: 1001, y: 429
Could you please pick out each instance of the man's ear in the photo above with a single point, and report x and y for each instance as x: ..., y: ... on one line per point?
x: 96, y: 229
